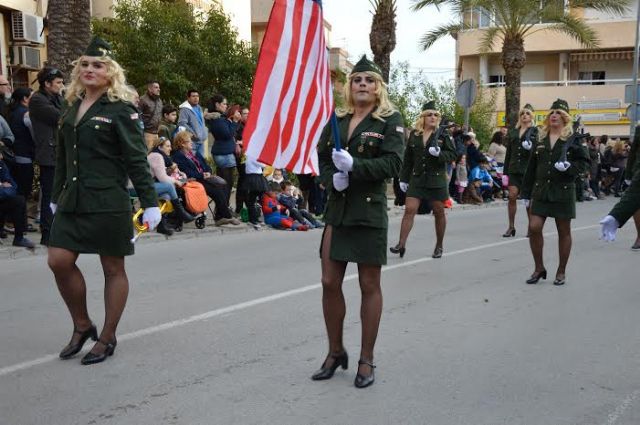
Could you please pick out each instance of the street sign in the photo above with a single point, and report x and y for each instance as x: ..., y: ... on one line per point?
x: 466, y: 94
x: 633, y: 112
x: 628, y: 93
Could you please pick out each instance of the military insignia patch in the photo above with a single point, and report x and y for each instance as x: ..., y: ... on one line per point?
x: 372, y: 134
x: 134, y: 116
x: 102, y: 119
x: 400, y: 129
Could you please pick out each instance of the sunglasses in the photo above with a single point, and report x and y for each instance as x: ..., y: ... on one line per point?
x: 432, y: 114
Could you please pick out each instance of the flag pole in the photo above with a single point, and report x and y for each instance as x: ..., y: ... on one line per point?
x: 336, y: 130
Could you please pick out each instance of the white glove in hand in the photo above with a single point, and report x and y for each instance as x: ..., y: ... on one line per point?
x: 527, y: 145
x: 434, y: 151
x: 562, y: 166
x: 627, y: 182
x: 342, y: 160
x: 526, y: 202
x: 53, y: 207
x: 151, y: 217
x: 340, y: 181
x: 609, y: 228
x: 404, y: 186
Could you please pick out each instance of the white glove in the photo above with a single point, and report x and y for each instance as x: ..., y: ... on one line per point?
x: 151, y: 217
x: 342, y: 160
x: 434, y: 151
x: 627, y: 182
x: 404, y: 186
x: 53, y: 207
x: 562, y: 166
x: 609, y: 228
x: 527, y: 145
x: 526, y: 202
x: 340, y: 181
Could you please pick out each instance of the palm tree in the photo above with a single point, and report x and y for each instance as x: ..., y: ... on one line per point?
x: 69, y: 23
x: 382, y: 37
x: 512, y: 21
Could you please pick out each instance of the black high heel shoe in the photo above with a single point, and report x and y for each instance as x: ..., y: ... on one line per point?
x: 72, y: 349
x: 398, y: 250
x: 437, y: 253
x: 363, y: 381
x: 558, y: 281
x: 109, y: 349
x: 339, y: 360
x: 536, y: 276
x: 510, y: 233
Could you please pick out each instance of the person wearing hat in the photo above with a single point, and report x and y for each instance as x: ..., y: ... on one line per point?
x: 100, y: 146
x: 372, y: 135
x: 424, y: 175
x: 520, y: 141
x: 548, y: 186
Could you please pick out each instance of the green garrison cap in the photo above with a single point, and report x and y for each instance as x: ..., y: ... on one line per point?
x: 561, y: 104
x: 98, y: 47
x: 529, y: 107
x: 430, y: 105
x: 365, y: 65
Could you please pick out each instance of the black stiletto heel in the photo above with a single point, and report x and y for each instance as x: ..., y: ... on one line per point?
x: 363, y: 381
x: 91, y: 358
x: 339, y: 360
x: 510, y: 233
x: 536, y: 276
x: 72, y: 349
x: 398, y: 250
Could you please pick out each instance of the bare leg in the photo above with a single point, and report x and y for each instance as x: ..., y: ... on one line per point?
x: 333, y: 304
x: 512, y: 207
x: 72, y: 287
x: 564, y: 245
x: 536, y: 240
x: 410, y: 209
x: 370, y: 312
x: 440, y: 221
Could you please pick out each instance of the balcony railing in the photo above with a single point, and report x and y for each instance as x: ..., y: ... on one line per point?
x: 608, y: 82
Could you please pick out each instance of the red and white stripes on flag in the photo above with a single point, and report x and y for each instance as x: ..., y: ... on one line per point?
x: 292, y: 97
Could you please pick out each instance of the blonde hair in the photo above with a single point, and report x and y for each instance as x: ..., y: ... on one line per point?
x: 567, y: 130
x: 180, y: 139
x: 160, y: 141
x: 117, y: 89
x: 419, y: 124
x: 384, y: 106
x: 533, y: 117
x: 618, y: 146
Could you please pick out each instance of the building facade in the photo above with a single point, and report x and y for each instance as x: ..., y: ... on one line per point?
x: 593, y: 82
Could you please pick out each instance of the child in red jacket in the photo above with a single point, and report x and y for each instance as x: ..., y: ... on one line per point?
x: 274, y: 213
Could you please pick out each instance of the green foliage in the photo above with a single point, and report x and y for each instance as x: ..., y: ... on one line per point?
x: 167, y: 41
x: 410, y: 90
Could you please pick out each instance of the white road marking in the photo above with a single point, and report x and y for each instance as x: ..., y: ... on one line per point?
x: 263, y: 300
x: 619, y: 411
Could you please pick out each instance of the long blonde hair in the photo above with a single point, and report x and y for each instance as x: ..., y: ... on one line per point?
x: 419, y: 124
x: 117, y: 90
x: 384, y: 106
x: 567, y: 130
x: 533, y: 118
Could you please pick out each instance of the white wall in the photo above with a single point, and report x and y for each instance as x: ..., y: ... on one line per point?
x: 240, y: 13
x: 601, y: 16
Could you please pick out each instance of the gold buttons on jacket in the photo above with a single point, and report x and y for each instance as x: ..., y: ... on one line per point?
x: 74, y: 179
x: 368, y: 199
x: 97, y: 127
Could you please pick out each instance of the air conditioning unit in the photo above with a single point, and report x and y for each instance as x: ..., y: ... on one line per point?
x: 25, y: 27
x: 26, y: 57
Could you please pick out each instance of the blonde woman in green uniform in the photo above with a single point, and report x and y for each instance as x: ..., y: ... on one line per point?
x: 549, y: 186
x: 424, y: 175
x: 520, y: 141
x: 356, y: 220
x: 100, y: 145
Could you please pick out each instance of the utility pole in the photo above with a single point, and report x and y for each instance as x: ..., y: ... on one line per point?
x: 635, y: 114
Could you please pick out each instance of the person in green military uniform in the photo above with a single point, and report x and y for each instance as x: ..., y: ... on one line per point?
x: 424, y: 175
x: 549, y: 186
x: 356, y: 219
x: 520, y: 140
x: 629, y: 204
x: 100, y: 145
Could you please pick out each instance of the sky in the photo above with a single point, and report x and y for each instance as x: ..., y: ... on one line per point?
x: 351, y: 24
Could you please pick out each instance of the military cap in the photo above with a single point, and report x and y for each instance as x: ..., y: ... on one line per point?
x: 528, y: 107
x: 560, y: 104
x: 98, y: 47
x: 365, y: 65
x: 429, y: 106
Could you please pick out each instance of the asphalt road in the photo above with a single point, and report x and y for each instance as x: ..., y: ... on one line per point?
x: 227, y: 329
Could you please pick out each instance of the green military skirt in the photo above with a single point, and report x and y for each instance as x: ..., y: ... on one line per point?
x: 358, y: 244
x: 418, y: 189
x: 106, y: 234
x: 516, y: 180
x: 564, y: 210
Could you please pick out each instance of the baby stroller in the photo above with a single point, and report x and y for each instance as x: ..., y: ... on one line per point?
x: 195, y: 201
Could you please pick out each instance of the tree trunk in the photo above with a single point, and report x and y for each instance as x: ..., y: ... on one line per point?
x: 513, y: 60
x: 69, y: 23
x: 382, y: 37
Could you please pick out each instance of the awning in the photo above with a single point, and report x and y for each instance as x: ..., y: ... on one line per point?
x: 626, y: 55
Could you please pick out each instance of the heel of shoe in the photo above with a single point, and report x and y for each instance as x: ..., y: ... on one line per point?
x: 398, y: 250
x: 94, y: 333
x: 344, y: 362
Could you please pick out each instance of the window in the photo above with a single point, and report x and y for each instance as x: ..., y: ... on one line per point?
x: 497, y: 80
x: 587, y: 76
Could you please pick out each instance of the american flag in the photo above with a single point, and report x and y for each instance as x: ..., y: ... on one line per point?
x: 292, y: 97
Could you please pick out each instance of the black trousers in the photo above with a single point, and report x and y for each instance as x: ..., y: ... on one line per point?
x: 23, y: 175
x: 227, y: 175
x: 218, y: 194
x: 241, y: 194
x: 15, y: 209
x: 253, y: 206
x: 46, y: 187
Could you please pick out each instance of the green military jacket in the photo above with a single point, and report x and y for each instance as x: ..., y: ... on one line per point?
x: 517, y: 158
x: 418, y: 164
x: 95, y: 158
x: 376, y: 147
x: 630, y: 201
x: 542, y: 182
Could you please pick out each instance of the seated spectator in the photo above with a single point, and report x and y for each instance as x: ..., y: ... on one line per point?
x: 13, y: 206
x: 168, y: 126
x: 481, y: 180
x: 277, y: 176
x: 293, y: 202
x: 195, y: 167
x: 274, y: 213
